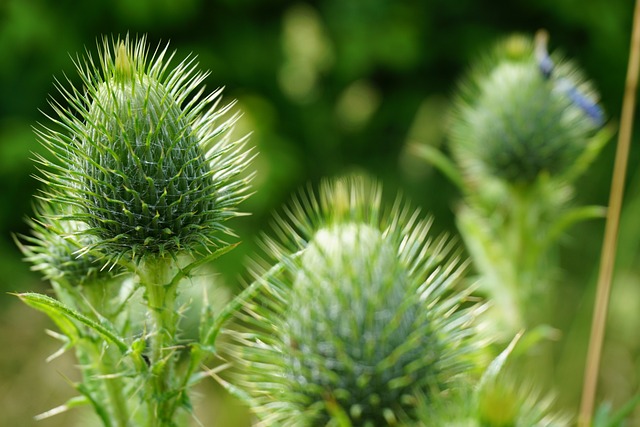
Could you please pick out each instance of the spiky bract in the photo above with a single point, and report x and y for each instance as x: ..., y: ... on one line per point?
x: 516, y: 117
x: 362, y: 313
x: 141, y: 158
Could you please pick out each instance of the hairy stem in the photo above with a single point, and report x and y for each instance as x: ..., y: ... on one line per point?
x: 89, y: 353
x: 155, y: 275
x: 114, y: 387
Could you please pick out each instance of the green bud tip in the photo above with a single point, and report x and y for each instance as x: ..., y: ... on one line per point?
x: 123, y: 64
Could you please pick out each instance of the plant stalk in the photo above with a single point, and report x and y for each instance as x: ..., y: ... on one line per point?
x: 155, y: 276
x: 114, y: 388
x: 607, y: 258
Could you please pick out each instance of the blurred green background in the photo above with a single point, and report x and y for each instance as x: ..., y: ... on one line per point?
x: 326, y: 87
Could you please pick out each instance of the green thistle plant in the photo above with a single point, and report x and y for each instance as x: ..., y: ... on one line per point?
x: 142, y: 177
x: 360, y: 315
x: 525, y: 126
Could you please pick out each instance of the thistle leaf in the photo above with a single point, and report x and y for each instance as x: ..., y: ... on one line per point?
x: 442, y: 162
x: 65, y: 317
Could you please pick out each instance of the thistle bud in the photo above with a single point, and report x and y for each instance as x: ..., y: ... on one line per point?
x: 364, y: 315
x: 56, y: 248
x: 350, y: 316
x: 521, y: 113
x: 503, y: 402
x: 144, y: 163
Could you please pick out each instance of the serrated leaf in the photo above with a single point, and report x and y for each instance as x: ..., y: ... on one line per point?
x: 67, y: 327
x: 592, y: 150
x: 65, y: 316
x: 212, y: 330
x: 568, y: 219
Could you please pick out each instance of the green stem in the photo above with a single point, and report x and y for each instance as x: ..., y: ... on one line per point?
x: 155, y: 275
x: 534, y: 273
x: 90, y: 355
x: 533, y: 269
x: 99, y: 295
x: 85, y: 352
x: 114, y: 387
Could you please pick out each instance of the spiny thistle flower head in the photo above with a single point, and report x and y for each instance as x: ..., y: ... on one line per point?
x: 522, y: 112
x: 363, y: 313
x: 143, y: 158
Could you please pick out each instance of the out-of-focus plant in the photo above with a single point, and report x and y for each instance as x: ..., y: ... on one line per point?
x: 141, y: 177
x: 498, y: 398
x: 361, y: 320
x: 525, y: 126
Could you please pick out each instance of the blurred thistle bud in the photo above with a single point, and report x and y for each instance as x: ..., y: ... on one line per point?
x: 141, y: 158
x: 364, y: 314
x: 522, y: 112
x: 504, y: 403
x: 58, y: 249
x: 501, y: 398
